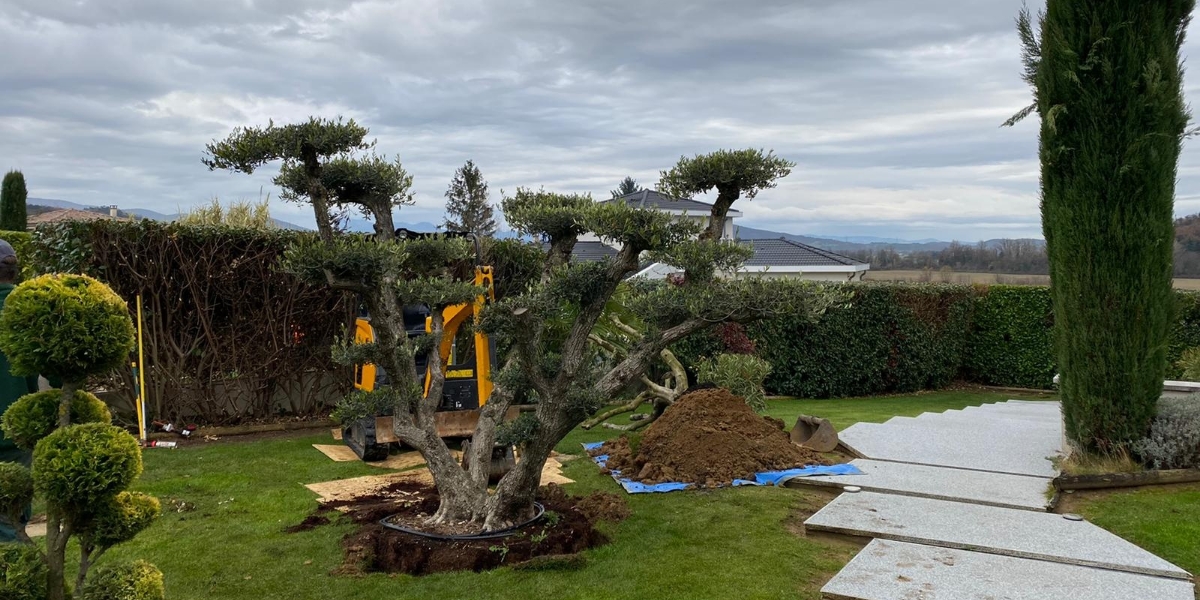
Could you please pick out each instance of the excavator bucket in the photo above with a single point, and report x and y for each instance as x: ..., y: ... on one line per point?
x: 815, y: 433
x: 503, y: 460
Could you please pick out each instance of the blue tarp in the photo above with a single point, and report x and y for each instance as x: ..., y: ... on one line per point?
x: 764, y: 478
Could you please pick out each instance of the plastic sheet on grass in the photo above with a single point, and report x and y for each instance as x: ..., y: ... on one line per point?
x: 765, y: 478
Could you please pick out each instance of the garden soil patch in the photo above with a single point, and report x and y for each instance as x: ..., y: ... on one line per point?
x: 709, y: 437
x: 565, y: 530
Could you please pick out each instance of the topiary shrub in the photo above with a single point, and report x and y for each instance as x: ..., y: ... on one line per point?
x: 65, y: 326
x: 78, y: 467
x: 120, y: 519
x: 1174, y: 440
x: 16, y: 492
x: 742, y: 374
x: 35, y: 416
x: 22, y: 572
x: 138, y: 580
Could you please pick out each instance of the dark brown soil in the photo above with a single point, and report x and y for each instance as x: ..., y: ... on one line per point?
x: 564, y: 530
x: 309, y: 523
x: 598, y: 506
x: 709, y: 438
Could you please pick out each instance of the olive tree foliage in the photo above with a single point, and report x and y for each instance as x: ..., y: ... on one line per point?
x: 545, y: 327
x: 1107, y: 81
x: 303, y: 148
x: 733, y: 173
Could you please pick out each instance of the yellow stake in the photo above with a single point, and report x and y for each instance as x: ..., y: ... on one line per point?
x: 141, y: 408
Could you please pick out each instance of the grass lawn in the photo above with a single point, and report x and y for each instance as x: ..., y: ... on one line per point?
x: 731, y: 543
x: 1164, y: 520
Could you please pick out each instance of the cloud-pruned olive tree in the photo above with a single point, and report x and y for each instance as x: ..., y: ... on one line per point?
x: 546, y: 326
x: 733, y: 173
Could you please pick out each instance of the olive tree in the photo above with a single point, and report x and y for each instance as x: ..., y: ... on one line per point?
x: 70, y: 327
x: 546, y: 327
x: 733, y: 173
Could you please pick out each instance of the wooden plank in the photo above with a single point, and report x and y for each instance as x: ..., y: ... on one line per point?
x: 1123, y: 480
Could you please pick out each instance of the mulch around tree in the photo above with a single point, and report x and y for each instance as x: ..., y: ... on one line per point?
x: 566, y: 530
x: 708, y: 437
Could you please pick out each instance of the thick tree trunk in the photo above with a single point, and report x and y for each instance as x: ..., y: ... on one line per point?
x: 726, y: 196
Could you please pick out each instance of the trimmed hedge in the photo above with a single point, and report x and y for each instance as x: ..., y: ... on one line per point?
x: 1012, y: 338
x: 888, y: 338
x: 903, y: 337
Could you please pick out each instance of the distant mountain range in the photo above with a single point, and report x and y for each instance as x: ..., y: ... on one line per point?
x: 144, y: 213
x: 858, y: 243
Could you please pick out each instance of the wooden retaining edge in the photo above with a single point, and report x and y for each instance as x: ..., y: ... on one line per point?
x: 236, y: 430
x: 1124, y: 480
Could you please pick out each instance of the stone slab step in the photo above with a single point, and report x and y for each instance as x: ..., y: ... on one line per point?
x: 989, y: 422
x: 990, y: 489
x: 1003, y: 531
x: 1010, y: 410
x: 1019, y: 453
x: 888, y: 570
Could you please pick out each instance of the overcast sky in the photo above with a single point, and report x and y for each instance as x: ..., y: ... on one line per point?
x: 891, y: 109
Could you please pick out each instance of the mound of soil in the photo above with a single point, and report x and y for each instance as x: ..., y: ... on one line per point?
x: 709, y: 437
x: 566, y: 529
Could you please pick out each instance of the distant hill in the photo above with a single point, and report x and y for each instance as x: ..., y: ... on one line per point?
x: 844, y: 245
x: 145, y: 213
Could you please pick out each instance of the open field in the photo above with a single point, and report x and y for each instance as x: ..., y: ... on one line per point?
x: 987, y: 278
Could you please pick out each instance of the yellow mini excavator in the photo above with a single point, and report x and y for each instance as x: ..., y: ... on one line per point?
x: 467, y: 355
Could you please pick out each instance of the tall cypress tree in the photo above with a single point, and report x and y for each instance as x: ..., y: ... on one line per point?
x: 12, y: 202
x: 1107, y: 82
x: 467, y: 206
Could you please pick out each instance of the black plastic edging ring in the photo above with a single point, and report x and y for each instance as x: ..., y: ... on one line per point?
x: 541, y: 510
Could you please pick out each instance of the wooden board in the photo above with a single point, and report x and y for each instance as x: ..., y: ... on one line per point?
x: 349, y: 489
x: 337, y: 452
x: 1120, y: 480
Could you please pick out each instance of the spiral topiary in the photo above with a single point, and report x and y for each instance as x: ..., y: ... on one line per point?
x: 35, y: 416
x: 120, y: 519
x: 16, y: 491
x: 22, y: 572
x: 65, y: 326
x: 77, y: 468
x: 138, y: 580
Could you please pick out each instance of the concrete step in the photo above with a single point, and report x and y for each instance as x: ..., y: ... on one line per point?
x: 1003, y: 531
x: 1015, y: 451
x: 991, y: 422
x: 989, y: 489
x: 888, y: 570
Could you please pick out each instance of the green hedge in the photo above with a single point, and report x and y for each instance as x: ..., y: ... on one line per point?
x: 902, y: 337
x: 889, y: 338
x: 1012, y: 339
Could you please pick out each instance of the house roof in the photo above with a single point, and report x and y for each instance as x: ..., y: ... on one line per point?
x: 653, y: 199
x: 67, y: 214
x: 589, y: 251
x: 783, y: 252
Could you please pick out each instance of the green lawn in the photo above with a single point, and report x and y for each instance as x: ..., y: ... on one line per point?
x: 1164, y: 520
x: 731, y: 543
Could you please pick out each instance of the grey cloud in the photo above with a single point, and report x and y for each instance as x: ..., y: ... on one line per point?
x: 890, y: 109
